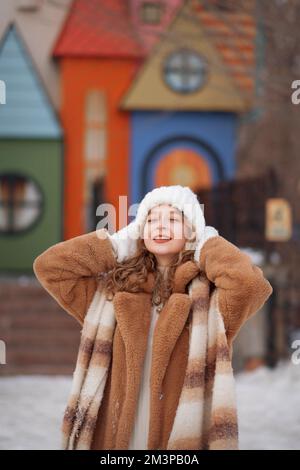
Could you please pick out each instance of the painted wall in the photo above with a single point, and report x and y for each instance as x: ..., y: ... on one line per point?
x: 40, y: 160
x: 113, y: 76
x: 154, y: 134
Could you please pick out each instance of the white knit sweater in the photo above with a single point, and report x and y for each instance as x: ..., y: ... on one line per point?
x: 139, y: 436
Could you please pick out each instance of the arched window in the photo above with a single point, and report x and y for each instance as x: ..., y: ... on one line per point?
x: 95, y: 149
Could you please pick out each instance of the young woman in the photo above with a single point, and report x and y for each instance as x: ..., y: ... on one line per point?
x: 146, y: 279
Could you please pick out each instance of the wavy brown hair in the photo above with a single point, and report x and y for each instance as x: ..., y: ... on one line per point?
x: 129, y: 274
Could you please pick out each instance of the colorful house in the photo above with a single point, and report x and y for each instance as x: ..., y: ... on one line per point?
x: 186, y: 100
x: 31, y: 163
x: 98, y: 53
x: 39, y: 23
x: 151, y: 94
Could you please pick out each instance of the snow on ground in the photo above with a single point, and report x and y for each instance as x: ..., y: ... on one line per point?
x: 31, y: 411
x: 268, y: 407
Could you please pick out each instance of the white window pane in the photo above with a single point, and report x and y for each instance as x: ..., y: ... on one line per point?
x: 95, y: 149
x: 24, y: 217
x: 95, y: 107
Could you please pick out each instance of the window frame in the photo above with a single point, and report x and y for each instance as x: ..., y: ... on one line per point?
x: 148, y: 4
x: 40, y: 204
x: 166, y: 70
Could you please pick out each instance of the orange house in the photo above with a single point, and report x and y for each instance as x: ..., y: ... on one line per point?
x: 98, y: 59
x: 108, y: 108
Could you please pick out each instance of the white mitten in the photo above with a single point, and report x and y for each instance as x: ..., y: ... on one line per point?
x: 209, y: 232
x: 124, y: 241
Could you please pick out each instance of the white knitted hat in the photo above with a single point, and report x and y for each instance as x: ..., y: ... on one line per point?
x: 180, y: 197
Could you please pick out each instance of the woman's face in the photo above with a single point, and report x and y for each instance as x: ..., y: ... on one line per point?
x: 165, y: 232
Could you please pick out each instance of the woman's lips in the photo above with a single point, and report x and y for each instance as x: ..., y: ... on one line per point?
x: 162, y: 240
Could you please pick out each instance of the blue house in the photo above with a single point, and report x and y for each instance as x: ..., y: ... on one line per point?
x: 186, y: 101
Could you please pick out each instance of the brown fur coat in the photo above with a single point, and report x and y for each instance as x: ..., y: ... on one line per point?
x: 69, y: 270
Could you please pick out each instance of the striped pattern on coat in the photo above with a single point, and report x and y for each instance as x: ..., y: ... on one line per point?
x: 206, y: 416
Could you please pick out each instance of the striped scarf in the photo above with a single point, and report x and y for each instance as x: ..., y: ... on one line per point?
x: 206, y: 415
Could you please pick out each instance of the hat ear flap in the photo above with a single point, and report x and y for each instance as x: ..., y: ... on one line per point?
x: 125, y: 241
x: 190, y: 232
x: 209, y: 232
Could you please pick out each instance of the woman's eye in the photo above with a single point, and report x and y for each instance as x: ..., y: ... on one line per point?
x: 173, y: 219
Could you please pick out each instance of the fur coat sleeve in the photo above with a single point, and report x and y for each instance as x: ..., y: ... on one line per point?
x: 243, y: 289
x: 68, y: 270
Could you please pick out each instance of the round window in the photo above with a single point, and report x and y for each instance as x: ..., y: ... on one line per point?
x: 20, y: 203
x: 185, y: 71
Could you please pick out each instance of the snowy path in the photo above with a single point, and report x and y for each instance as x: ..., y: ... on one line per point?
x: 268, y: 406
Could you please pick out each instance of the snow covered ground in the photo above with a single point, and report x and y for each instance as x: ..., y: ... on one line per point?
x: 268, y: 406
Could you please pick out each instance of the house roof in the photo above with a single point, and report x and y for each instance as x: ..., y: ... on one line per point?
x: 233, y: 34
x: 39, y: 29
x: 27, y: 112
x: 96, y: 28
x: 226, y: 43
x: 105, y: 28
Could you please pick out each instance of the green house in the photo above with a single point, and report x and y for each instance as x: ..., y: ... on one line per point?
x: 31, y: 161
